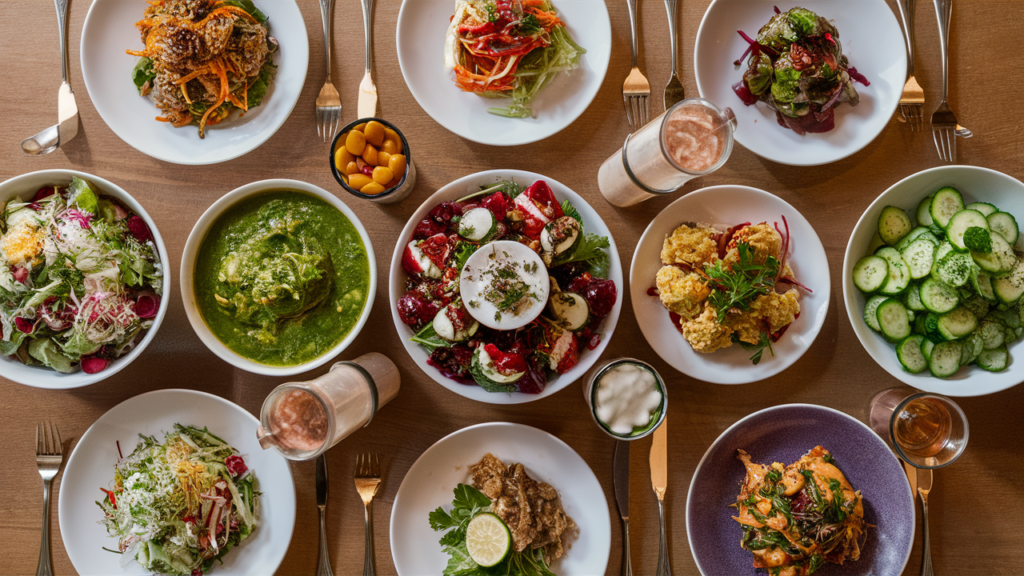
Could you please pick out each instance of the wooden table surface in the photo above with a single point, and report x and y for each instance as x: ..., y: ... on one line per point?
x: 976, y: 504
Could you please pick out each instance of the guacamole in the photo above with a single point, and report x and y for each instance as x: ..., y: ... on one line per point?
x: 281, y: 278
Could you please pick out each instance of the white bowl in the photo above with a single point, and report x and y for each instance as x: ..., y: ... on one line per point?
x: 188, y: 263
x: 25, y: 186
x: 592, y: 223
x: 109, y: 30
x: 724, y: 207
x: 90, y: 467
x: 422, y: 25
x: 871, y: 38
x: 977, y: 185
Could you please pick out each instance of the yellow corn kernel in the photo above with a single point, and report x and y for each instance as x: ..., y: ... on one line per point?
x: 358, y: 180
x: 360, y: 127
x: 372, y: 189
x: 397, y: 164
x: 383, y: 158
x: 389, y: 133
x: 351, y: 168
x: 342, y: 157
x: 370, y: 155
x: 390, y: 146
x: 383, y: 175
x: 374, y: 133
x: 355, y: 142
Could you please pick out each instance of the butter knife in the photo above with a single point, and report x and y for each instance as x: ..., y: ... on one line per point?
x: 620, y: 479
x: 924, y: 487
x: 659, y: 480
x: 366, y: 106
x: 67, y: 109
x: 674, y: 88
x: 323, y: 563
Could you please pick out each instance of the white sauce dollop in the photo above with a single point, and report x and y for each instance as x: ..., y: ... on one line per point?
x: 480, y: 279
x: 625, y: 398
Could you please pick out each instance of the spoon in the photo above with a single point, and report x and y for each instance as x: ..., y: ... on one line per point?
x: 67, y: 109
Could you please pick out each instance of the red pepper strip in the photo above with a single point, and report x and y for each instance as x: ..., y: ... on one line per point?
x: 110, y: 496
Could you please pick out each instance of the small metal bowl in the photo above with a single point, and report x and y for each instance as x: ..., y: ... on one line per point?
x: 590, y: 390
x: 391, y: 195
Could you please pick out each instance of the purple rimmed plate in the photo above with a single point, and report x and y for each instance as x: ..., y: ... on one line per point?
x: 784, y: 434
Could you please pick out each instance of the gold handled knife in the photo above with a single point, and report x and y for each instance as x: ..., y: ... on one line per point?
x: 366, y: 105
x: 659, y: 481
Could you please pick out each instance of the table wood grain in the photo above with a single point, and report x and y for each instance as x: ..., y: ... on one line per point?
x: 976, y: 503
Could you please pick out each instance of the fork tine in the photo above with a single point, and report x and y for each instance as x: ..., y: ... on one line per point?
x: 376, y: 465
x: 337, y: 121
x: 952, y: 145
x: 39, y: 440
x: 625, y: 105
x: 47, y: 440
x: 638, y: 118
x: 646, y: 102
x: 319, y: 122
x: 56, y: 436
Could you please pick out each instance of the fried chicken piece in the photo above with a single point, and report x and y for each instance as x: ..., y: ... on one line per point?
x: 695, y: 245
x: 769, y: 312
x: 763, y: 240
x: 704, y: 333
x: 682, y: 292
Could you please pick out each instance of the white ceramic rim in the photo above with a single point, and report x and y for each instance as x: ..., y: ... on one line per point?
x: 468, y: 430
x: 600, y: 68
x: 49, y: 378
x: 188, y: 261
x: 62, y: 508
x: 257, y: 140
x: 739, y: 423
x: 956, y: 387
x: 639, y: 286
x: 703, y: 92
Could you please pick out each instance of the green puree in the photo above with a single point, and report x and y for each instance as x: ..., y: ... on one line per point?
x: 281, y: 278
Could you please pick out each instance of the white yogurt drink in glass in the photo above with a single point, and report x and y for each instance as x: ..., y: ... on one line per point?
x: 691, y: 139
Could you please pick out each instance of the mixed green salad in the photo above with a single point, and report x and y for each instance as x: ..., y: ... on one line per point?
x: 80, y: 278
x: 947, y: 292
x: 180, y: 505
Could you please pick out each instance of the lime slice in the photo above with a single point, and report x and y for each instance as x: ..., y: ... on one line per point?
x: 488, y: 539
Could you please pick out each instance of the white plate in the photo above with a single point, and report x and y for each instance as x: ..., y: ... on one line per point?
x: 592, y: 224
x: 91, y: 467
x: 25, y: 186
x: 106, y: 68
x: 871, y: 39
x: 422, y: 25
x: 433, y: 477
x: 724, y: 207
x: 976, y: 185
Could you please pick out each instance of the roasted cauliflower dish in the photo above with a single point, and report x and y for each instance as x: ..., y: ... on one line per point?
x: 721, y: 287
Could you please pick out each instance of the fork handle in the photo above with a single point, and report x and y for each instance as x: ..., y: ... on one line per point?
x: 926, y: 561
x: 944, y: 11
x: 368, y: 31
x: 45, y: 567
x: 664, y: 565
x: 632, y: 28
x: 907, y: 15
x: 368, y: 569
x: 326, y: 14
x: 323, y: 563
x: 670, y: 7
x: 62, y: 25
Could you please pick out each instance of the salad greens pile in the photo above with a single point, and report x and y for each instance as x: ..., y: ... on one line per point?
x: 468, y: 503
x: 180, y: 505
x: 80, y: 279
x: 537, y: 69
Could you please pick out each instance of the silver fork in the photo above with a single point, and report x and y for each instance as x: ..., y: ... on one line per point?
x: 367, y: 480
x: 912, y: 99
x: 636, y: 92
x: 328, y: 103
x: 944, y: 124
x: 49, y: 455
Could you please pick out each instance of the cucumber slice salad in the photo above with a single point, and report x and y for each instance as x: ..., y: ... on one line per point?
x: 948, y: 291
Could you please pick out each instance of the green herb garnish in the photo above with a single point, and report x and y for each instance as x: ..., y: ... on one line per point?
x: 740, y: 286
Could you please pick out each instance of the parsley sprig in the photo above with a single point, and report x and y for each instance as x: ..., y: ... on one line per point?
x: 739, y: 286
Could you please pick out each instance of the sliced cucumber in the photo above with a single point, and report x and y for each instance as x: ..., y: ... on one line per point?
x: 870, y: 273
x: 912, y: 299
x: 975, y: 346
x: 926, y: 348
x: 561, y: 236
x: 919, y: 232
x: 945, y: 359
x: 486, y: 365
x: 569, y: 309
x: 892, y: 320
x: 957, y: 323
x: 1009, y: 289
x: 993, y: 334
x: 954, y: 268
x: 870, y: 312
x: 445, y: 328
x: 924, y: 212
x: 938, y: 297
x: 1005, y: 225
x: 940, y: 253
x: 982, y: 284
x: 959, y: 224
x: 994, y: 360
x: 945, y: 204
x: 893, y: 225
x: 908, y: 351
x: 477, y: 224
x: 899, y: 273
x: 919, y: 256
x: 1001, y: 260
x: 983, y: 207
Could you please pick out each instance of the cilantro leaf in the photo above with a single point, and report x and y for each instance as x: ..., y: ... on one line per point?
x: 142, y: 72
x: 469, y: 497
x: 441, y: 520
x: 738, y: 286
x: 463, y: 250
x: 428, y: 338
x: 570, y: 211
x: 591, y: 249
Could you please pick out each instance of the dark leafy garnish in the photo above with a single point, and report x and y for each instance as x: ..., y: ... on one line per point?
x: 428, y: 338
x: 591, y: 249
x: 249, y: 7
x: 258, y: 89
x: 142, y: 73
x: 739, y: 286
